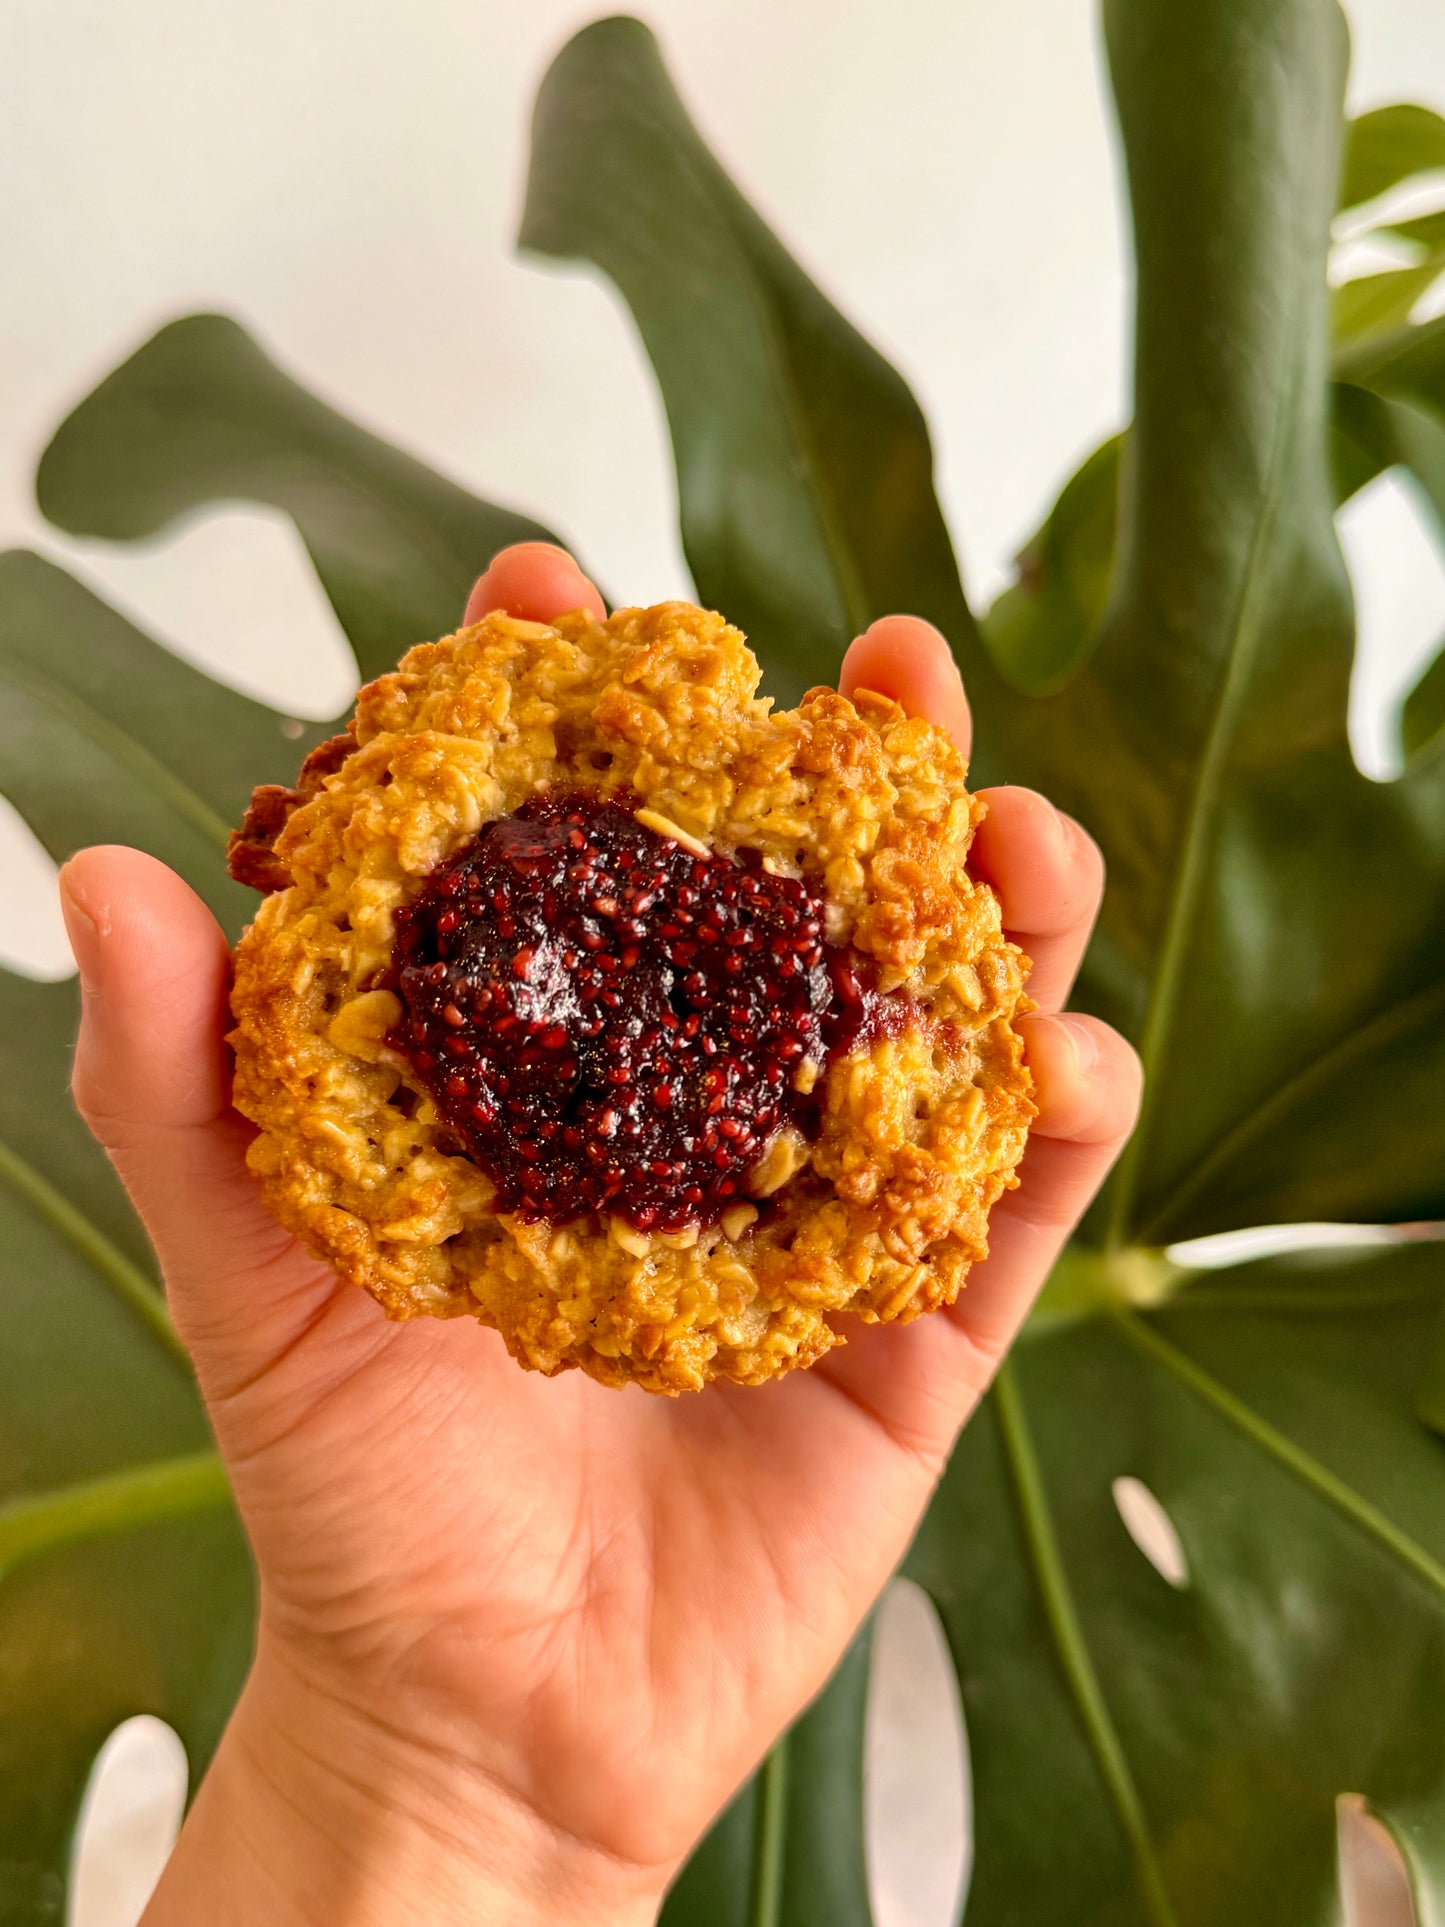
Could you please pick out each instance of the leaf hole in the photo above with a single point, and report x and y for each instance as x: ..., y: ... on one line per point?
x: 1222, y: 1250
x: 1397, y: 568
x: 1374, y: 1880
x: 917, y: 1798
x: 1151, y: 1529
x: 129, y: 1820
x: 233, y: 591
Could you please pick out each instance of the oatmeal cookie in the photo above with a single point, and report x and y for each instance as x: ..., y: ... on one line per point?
x: 595, y: 999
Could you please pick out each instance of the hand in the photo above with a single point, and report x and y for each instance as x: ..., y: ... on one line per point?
x: 519, y: 1639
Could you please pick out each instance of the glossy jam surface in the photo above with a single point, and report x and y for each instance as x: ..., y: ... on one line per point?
x: 610, y: 1022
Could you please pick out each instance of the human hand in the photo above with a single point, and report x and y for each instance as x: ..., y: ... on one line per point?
x: 520, y: 1640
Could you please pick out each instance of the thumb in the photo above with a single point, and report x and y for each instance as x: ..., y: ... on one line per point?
x: 152, y: 1079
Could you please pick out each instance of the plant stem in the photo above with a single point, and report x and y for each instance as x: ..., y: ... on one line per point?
x: 765, y: 1908
x: 1068, y: 1634
x: 115, y: 1502
x: 128, y: 1280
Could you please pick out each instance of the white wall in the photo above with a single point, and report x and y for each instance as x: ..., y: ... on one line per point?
x: 345, y: 176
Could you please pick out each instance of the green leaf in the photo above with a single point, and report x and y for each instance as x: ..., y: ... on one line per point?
x: 1263, y: 844
x: 1203, y: 739
x: 1272, y: 936
x: 1041, y: 629
x: 1049, y: 617
x: 107, y: 737
x: 135, y: 1593
x: 125, y: 1585
x: 1422, y: 716
x: 1383, y: 432
x: 1219, y: 686
x: 788, y: 1851
x: 803, y: 461
x: 1387, y: 146
x: 1374, y: 433
x: 1146, y: 1754
x: 201, y: 415
x: 1408, y: 362
x: 1377, y: 302
x: 1427, y: 230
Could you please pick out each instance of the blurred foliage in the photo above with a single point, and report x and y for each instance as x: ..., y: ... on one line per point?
x: 1172, y: 664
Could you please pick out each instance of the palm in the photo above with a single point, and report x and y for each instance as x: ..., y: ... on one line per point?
x: 429, y: 1516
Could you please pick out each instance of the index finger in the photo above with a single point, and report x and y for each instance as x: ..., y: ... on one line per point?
x: 1045, y: 870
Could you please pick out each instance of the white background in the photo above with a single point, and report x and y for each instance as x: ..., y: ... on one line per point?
x: 345, y: 176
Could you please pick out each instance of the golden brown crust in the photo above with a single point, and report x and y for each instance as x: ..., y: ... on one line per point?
x: 251, y: 851
x: 882, y: 1216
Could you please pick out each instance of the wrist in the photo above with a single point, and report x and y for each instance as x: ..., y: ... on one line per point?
x: 314, y: 1816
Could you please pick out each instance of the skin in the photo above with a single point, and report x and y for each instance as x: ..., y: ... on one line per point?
x: 520, y: 1639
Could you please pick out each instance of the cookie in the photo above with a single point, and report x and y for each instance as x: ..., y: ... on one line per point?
x: 593, y: 998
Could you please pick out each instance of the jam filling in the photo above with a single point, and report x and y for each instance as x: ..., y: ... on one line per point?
x: 611, y: 1022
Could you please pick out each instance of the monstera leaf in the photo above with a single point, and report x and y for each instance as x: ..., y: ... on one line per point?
x: 124, y: 1581
x: 125, y: 1584
x: 1173, y: 666
x: 203, y: 415
x: 1185, y: 693
x: 1201, y: 731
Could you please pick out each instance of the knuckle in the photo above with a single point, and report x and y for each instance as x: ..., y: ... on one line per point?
x: 92, y: 1101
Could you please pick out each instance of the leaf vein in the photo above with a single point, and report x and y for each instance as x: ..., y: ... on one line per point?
x: 1243, y: 631
x: 126, y: 1279
x: 1307, y: 1469
x: 1393, y: 1020
x: 1068, y: 1635
x: 770, y: 1815
x: 124, y: 747
x: 113, y: 1503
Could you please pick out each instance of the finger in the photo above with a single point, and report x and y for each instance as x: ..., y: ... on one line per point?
x: 920, y: 1381
x: 1087, y: 1083
x: 152, y: 1079
x: 1048, y: 875
x: 907, y: 659
x: 535, y: 582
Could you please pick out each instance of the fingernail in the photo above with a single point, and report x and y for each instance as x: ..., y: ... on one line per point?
x: 1081, y: 1035
x: 85, y: 939
x: 507, y: 548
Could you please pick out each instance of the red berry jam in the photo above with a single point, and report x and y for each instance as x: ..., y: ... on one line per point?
x: 609, y: 1022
